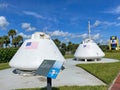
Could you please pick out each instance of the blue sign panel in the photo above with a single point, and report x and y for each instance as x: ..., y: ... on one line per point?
x: 55, y: 69
x: 53, y: 72
x: 50, y: 68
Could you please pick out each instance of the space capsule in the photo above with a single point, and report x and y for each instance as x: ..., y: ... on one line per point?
x: 34, y: 51
x: 88, y: 49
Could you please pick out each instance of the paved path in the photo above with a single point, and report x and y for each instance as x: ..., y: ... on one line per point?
x: 71, y: 75
x: 116, y: 84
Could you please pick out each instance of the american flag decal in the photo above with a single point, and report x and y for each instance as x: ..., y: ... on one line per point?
x: 31, y: 45
x: 86, y: 46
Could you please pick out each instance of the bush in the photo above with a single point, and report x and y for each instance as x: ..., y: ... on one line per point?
x: 6, y: 54
x: 62, y: 51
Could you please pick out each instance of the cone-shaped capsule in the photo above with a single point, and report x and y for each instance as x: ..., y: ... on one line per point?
x: 33, y: 51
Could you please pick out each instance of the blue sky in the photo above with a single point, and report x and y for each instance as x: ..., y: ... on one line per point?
x: 66, y: 20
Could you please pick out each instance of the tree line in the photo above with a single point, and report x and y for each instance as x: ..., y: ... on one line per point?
x: 11, y: 39
x: 69, y: 48
x: 14, y: 40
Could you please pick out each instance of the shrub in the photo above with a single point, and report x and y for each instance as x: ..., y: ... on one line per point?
x: 6, y: 54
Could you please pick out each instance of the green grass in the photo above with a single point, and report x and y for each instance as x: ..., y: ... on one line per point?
x: 72, y: 88
x: 104, y: 71
x: 68, y: 56
x: 113, y: 54
x: 4, y: 66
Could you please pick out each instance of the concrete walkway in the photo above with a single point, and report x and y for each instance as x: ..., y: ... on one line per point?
x: 71, y: 75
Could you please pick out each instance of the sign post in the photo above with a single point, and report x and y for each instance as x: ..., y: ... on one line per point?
x: 50, y: 69
x: 49, y: 83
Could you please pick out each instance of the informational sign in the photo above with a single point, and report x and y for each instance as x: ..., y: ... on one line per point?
x: 114, y: 44
x: 50, y: 68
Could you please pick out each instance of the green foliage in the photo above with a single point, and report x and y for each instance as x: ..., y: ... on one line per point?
x: 104, y: 71
x: 4, y: 66
x: 57, y: 42
x: 71, y: 47
x: 1, y: 41
x: 6, y: 40
x: 6, y: 54
x: 12, y: 33
x: 62, y: 51
x: 17, y: 41
x: 104, y: 47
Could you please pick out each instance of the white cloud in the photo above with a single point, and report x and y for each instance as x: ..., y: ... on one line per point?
x: 25, y: 25
x: 96, y: 36
x: 4, y: 5
x: 85, y: 35
x: 97, y: 23
x: 101, y: 41
x: 106, y: 23
x: 34, y: 14
x: 59, y: 33
x: 28, y: 27
x: 3, y: 22
x: 118, y: 18
x: 115, y: 10
x: 24, y: 35
x: 67, y: 36
x: 66, y: 39
x: 109, y: 23
x: 118, y: 24
x: 37, y: 15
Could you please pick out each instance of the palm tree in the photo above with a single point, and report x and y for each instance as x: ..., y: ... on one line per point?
x: 12, y: 33
x: 14, y: 41
x: 57, y: 42
x: 1, y: 41
x: 70, y: 46
x: 20, y: 40
x: 17, y: 41
x: 6, y: 40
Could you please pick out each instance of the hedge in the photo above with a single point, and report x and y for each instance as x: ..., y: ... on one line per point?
x: 6, y: 54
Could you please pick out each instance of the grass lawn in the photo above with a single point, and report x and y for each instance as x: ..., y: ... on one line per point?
x: 72, y: 88
x: 113, y: 54
x: 4, y: 66
x: 68, y: 56
x: 104, y: 71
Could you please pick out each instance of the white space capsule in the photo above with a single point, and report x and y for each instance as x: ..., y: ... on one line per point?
x: 88, y: 49
x: 33, y: 51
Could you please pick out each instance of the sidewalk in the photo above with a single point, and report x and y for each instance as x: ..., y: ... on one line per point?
x: 116, y: 84
x: 70, y: 76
